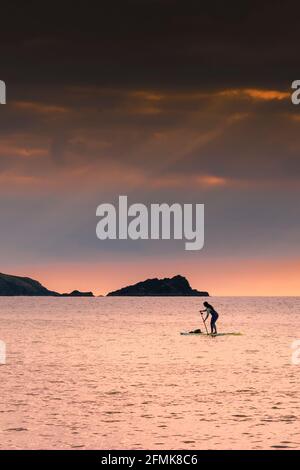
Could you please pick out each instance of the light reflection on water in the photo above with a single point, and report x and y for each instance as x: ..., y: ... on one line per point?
x: 115, y: 373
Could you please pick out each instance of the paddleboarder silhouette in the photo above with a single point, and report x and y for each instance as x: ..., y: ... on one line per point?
x: 209, y: 309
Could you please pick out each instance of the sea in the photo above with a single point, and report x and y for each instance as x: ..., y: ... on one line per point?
x: 115, y: 373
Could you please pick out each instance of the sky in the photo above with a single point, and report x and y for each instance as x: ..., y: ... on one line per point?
x: 164, y: 101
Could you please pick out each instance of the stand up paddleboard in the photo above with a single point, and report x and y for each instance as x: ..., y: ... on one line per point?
x: 192, y: 333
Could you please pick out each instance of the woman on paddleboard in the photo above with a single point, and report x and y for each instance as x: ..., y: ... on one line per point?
x: 209, y: 309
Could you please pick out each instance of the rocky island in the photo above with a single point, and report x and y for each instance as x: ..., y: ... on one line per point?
x: 77, y: 293
x: 175, y: 286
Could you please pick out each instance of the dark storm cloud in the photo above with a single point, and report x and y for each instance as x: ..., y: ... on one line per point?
x: 231, y: 133
x: 263, y: 146
x: 151, y: 43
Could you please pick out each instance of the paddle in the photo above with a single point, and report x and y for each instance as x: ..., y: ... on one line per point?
x: 204, y: 322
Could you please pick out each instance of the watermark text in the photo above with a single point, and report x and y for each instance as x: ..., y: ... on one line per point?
x: 154, y: 222
x: 296, y: 94
x: 2, y: 352
x: 2, y: 92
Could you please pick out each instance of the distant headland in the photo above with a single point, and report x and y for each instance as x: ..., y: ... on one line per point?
x: 176, y: 286
x: 17, y: 286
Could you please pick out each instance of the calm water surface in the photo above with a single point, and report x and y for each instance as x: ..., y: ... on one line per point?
x: 115, y: 373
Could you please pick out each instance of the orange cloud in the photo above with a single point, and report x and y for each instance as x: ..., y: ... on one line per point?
x: 147, y: 95
x: 40, y: 108
x: 11, y: 150
x: 294, y: 117
x: 9, y: 179
x: 256, y: 94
